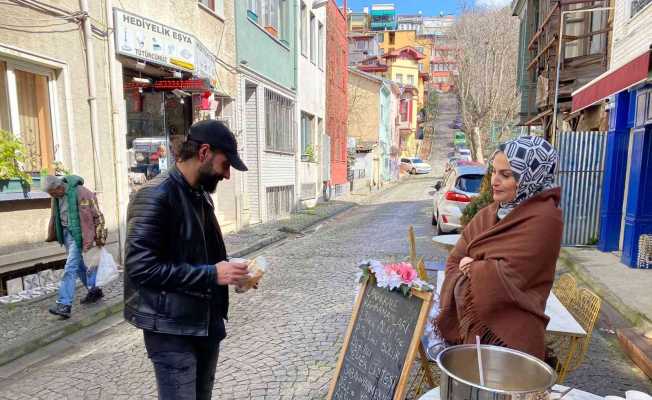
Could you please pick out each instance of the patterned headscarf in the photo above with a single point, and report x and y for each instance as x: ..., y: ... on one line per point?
x: 533, y: 162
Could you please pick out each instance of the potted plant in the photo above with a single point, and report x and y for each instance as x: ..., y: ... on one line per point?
x: 310, y: 153
x: 13, y: 157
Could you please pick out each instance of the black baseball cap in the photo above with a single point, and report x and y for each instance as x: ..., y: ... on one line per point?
x: 219, y: 137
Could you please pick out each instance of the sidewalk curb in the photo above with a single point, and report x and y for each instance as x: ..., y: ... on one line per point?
x: 12, y: 354
x: 632, y: 316
x: 116, y: 306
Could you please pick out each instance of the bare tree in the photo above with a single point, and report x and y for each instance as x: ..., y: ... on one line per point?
x: 486, y: 52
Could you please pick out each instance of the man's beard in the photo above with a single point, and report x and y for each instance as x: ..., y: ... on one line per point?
x: 208, y: 179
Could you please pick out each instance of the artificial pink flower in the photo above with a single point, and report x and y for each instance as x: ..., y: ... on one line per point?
x: 392, y: 268
x: 406, y: 272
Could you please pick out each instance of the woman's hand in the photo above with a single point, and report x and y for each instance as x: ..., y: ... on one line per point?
x: 465, y: 265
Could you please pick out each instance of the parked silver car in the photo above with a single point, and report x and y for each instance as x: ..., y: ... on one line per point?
x: 453, y: 194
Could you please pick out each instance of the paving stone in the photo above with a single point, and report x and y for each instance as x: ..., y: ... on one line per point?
x: 284, y: 338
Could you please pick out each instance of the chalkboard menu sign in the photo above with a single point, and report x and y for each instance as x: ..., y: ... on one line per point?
x: 380, y: 344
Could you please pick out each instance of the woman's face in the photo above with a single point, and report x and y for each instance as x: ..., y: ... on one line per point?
x: 503, y: 183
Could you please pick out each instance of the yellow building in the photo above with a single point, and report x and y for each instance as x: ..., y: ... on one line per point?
x: 390, y: 41
x: 402, y: 67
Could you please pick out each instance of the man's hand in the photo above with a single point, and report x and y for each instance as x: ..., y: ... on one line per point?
x: 465, y: 265
x: 229, y: 273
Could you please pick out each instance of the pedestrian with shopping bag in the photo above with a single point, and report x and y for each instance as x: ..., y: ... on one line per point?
x: 78, y: 224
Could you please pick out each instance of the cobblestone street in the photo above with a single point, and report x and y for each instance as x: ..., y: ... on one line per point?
x: 284, y: 338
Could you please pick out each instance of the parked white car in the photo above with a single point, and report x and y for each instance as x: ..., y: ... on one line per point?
x: 453, y: 194
x: 465, y: 154
x: 415, y: 165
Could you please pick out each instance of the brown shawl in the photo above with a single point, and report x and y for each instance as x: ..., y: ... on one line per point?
x: 509, y: 281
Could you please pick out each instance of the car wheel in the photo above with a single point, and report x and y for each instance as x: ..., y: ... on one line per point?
x: 439, y: 231
x: 413, y: 171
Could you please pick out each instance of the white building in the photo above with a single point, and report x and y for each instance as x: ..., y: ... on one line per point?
x: 311, y: 100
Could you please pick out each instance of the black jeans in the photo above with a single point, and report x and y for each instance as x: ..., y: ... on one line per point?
x: 185, y: 365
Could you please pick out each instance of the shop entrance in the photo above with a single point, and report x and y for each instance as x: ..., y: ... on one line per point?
x: 157, y: 120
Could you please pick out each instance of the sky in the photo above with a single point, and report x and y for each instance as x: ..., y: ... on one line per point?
x: 428, y: 7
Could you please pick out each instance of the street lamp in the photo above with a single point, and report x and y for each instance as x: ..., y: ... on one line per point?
x: 561, y: 41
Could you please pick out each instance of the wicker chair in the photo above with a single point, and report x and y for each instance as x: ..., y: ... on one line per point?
x: 585, y: 307
x: 565, y: 289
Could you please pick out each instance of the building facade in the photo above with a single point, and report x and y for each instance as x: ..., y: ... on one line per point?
x: 625, y: 90
x: 311, y: 100
x: 545, y: 100
x: 108, y: 107
x: 382, y: 17
x: 337, y: 97
x: 267, y: 109
x: 363, y: 46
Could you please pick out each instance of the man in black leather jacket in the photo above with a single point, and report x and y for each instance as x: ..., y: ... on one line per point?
x: 176, y: 269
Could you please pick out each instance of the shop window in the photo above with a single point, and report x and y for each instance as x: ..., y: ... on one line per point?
x: 25, y: 111
x: 320, y: 38
x: 313, y: 39
x: 304, y: 29
x: 279, y: 123
x: 307, y: 141
x: 216, y: 6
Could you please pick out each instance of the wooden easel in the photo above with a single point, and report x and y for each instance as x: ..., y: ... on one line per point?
x: 421, y: 270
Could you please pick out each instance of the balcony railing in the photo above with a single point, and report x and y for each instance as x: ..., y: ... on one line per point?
x: 638, y: 5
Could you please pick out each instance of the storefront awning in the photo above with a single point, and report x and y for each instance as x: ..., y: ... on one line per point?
x: 612, y: 82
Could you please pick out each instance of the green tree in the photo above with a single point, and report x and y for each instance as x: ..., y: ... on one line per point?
x: 479, y: 202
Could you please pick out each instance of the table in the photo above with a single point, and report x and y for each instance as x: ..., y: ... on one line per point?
x: 558, y: 392
x: 446, y: 242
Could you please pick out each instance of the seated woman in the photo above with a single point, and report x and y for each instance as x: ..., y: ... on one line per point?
x: 500, y: 273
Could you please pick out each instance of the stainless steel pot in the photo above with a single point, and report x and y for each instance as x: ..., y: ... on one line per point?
x: 508, y: 374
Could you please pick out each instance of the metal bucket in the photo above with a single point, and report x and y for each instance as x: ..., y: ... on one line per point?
x: 508, y: 374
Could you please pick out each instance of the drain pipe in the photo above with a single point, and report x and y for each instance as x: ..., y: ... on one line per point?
x: 118, y: 132
x: 92, y: 92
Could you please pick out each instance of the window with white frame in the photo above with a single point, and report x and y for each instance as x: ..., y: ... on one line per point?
x: 271, y: 15
x: 279, y: 122
x: 313, y: 39
x: 216, y: 6
x: 399, y: 78
x: 304, y: 29
x: 25, y: 110
x: 320, y: 38
x: 307, y: 140
x: 410, y: 80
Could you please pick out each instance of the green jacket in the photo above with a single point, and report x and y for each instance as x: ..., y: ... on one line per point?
x: 85, y: 220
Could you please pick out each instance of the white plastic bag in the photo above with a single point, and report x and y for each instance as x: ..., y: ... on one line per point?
x: 106, y: 269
